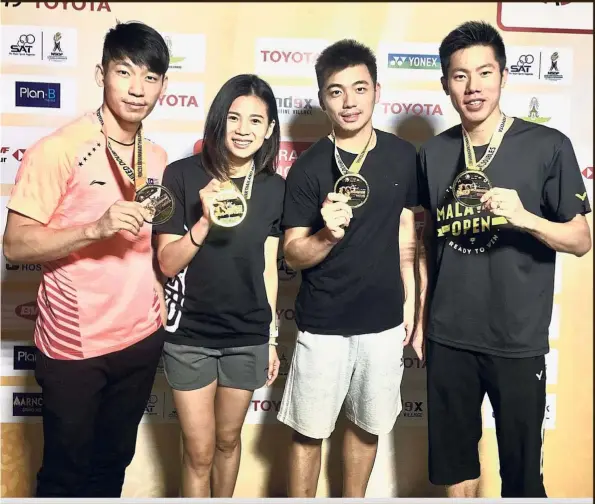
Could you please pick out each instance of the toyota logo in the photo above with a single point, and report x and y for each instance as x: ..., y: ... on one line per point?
x: 27, y: 39
x: 526, y: 59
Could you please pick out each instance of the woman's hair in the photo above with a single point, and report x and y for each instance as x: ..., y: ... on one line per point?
x: 215, y: 155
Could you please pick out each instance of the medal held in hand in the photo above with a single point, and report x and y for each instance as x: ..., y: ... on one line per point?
x: 155, y: 198
x: 229, y: 206
x: 158, y: 200
x: 470, y: 185
x: 351, y: 183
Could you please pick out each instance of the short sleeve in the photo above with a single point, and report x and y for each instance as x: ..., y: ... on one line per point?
x: 173, y: 180
x: 422, y: 180
x: 42, y: 180
x: 279, y: 198
x: 564, y: 193
x: 412, y: 196
x: 301, y: 207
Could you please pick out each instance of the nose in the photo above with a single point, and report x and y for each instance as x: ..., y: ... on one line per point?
x: 349, y: 100
x: 473, y: 84
x: 243, y: 127
x: 136, y: 87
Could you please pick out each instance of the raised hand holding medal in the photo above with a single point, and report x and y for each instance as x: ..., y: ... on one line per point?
x: 228, y: 207
x: 156, y: 199
x: 351, y: 183
x: 472, y: 184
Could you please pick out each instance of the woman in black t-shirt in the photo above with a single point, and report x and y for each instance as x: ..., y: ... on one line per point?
x: 219, y: 252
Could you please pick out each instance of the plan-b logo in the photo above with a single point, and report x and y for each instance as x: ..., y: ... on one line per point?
x: 24, y: 358
x: 37, y: 94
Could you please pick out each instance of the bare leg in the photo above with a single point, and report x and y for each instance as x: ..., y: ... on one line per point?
x: 359, y: 454
x: 231, y: 406
x: 467, y: 488
x: 304, y: 466
x: 196, y: 413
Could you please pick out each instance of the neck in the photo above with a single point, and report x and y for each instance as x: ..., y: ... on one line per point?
x: 117, y: 128
x: 354, y: 141
x: 480, y: 133
x: 239, y: 167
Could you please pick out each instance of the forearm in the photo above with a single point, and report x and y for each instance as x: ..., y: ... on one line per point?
x: 40, y: 244
x: 306, y: 252
x: 158, y: 285
x: 424, y: 274
x: 176, y: 255
x: 571, y: 237
x: 271, y: 284
x: 422, y: 270
x: 407, y: 266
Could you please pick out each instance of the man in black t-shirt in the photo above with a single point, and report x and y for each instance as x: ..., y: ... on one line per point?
x: 347, y: 223
x: 495, y: 217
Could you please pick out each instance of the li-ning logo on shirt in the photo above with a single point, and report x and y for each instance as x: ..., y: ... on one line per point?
x: 539, y: 375
x: 581, y: 196
x: 98, y: 182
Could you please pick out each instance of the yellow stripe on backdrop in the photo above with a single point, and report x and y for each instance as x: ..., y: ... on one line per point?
x: 211, y: 42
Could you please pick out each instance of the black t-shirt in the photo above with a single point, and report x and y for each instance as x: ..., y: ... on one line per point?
x: 219, y: 300
x: 357, y: 288
x: 493, y: 285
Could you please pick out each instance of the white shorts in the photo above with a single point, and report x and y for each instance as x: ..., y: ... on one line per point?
x: 363, y: 371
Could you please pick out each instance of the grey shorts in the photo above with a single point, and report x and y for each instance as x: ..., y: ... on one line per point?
x: 361, y: 372
x: 188, y: 367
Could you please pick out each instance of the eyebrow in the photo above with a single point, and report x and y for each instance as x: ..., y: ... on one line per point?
x: 458, y: 69
x: 332, y: 84
x: 251, y: 115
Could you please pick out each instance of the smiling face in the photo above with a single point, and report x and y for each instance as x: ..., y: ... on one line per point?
x: 131, y: 92
x: 474, y: 83
x: 348, y: 98
x: 247, y: 128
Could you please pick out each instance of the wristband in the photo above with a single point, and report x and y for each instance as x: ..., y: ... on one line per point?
x: 192, y: 239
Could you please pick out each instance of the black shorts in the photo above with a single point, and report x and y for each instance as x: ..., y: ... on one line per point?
x: 457, y: 383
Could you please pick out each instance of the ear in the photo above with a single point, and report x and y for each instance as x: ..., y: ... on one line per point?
x: 444, y: 83
x: 504, y: 78
x: 377, y: 93
x: 320, y: 101
x: 99, y: 75
x: 164, y: 86
x: 270, y: 130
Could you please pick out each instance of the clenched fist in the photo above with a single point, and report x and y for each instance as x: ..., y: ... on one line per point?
x: 336, y: 214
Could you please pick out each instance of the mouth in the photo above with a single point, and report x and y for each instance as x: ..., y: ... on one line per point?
x: 135, y: 105
x: 241, y: 144
x: 350, y: 116
x: 474, y: 104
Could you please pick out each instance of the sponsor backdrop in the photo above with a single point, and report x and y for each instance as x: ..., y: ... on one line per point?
x: 49, y: 50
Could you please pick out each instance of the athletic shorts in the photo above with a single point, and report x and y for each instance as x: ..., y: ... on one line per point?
x: 188, y: 367
x: 457, y: 383
x: 362, y: 372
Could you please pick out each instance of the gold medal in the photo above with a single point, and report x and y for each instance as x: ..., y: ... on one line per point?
x: 355, y: 187
x: 351, y: 183
x: 229, y: 206
x: 158, y: 200
x: 470, y: 185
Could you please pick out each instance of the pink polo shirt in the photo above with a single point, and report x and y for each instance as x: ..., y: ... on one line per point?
x: 101, y: 298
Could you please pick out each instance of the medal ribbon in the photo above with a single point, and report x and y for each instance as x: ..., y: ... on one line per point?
x: 358, y: 162
x: 248, y: 183
x: 490, y: 154
x: 138, y: 175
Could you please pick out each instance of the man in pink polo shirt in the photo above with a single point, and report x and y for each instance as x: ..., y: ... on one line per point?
x: 73, y: 209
